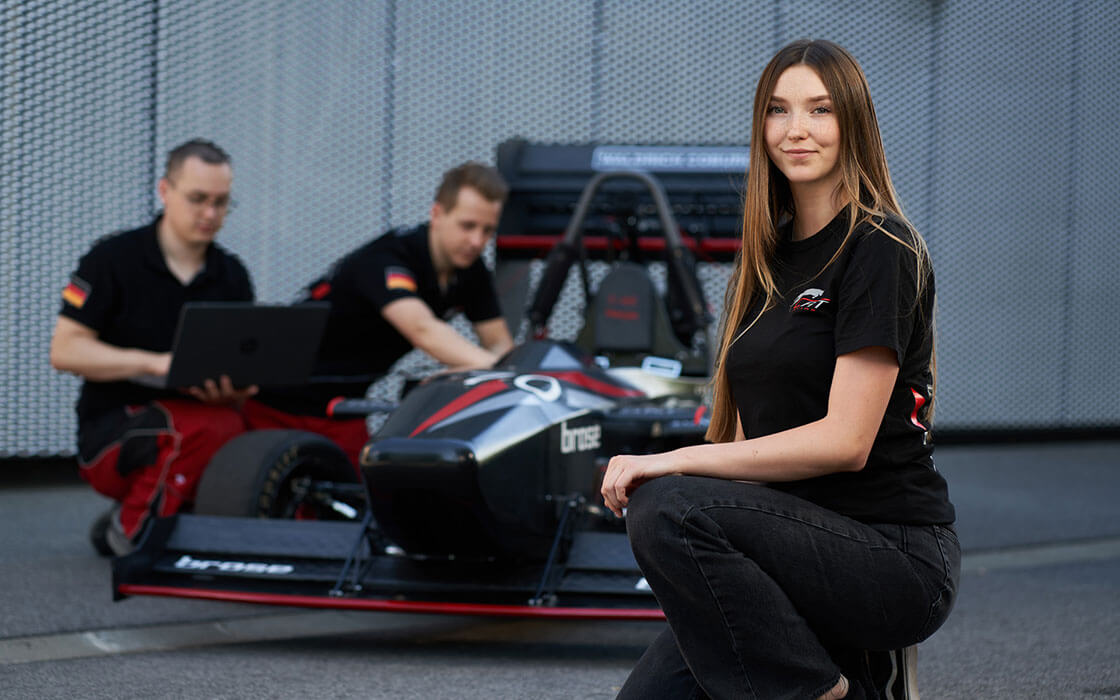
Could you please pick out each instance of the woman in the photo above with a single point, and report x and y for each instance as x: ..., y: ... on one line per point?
x: 815, y: 525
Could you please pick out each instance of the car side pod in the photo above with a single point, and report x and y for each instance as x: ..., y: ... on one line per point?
x: 428, y: 498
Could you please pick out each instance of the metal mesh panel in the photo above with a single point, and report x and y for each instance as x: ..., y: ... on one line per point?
x: 1001, y: 211
x: 468, y: 76
x: 1091, y: 323
x: 299, y: 96
x: 683, y: 72
x: 898, y: 57
x: 75, y: 143
x: 341, y: 116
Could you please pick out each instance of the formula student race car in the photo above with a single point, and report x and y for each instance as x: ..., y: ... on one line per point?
x: 479, y: 494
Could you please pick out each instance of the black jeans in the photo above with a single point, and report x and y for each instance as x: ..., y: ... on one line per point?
x: 767, y: 595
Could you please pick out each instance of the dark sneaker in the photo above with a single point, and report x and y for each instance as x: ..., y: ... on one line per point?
x: 98, y: 531
x: 120, y: 543
x: 107, y: 536
x: 894, y: 673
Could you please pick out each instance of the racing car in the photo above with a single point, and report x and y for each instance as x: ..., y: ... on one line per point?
x: 479, y: 493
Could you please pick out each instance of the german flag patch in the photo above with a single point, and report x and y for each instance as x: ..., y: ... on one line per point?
x: 399, y: 278
x: 76, y: 293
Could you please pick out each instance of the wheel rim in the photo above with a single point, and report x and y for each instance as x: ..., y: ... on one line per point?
x: 308, y: 491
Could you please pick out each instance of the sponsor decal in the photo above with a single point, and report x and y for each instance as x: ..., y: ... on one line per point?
x: 399, y: 278
x: 615, y: 307
x: 809, y: 301
x: 543, y: 387
x: 671, y: 159
x: 548, y: 389
x: 76, y: 293
x: 919, y: 402
x: 234, y: 567
x: 582, y: 439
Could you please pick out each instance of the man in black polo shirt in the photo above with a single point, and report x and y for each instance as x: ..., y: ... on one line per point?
x: 395, y: 293
x: 144, y: 447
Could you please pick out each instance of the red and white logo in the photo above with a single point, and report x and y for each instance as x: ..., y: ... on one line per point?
x: 809, y: 300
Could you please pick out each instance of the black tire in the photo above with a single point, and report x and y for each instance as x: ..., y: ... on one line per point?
x: 252, y: 475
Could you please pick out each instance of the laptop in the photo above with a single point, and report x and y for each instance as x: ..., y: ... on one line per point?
x: 266, y: 345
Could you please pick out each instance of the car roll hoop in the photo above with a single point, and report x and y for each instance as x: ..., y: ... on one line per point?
x: 627, y: 319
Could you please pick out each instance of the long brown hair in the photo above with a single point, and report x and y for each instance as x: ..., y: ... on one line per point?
x: 865, y: 186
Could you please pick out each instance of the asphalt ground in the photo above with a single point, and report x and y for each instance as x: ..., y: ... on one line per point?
x: 1038, y: 614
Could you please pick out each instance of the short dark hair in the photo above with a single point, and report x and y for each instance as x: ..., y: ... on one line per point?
x: 484, y: 179
x: 207, y: 151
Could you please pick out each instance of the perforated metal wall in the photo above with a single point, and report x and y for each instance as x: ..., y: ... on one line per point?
x: 1023, y: 212
x: 76, y: 142
x: 340, y: 116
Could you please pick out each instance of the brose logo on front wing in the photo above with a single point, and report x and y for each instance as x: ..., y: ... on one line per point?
x: 234, y: 567
x: 581, y: 439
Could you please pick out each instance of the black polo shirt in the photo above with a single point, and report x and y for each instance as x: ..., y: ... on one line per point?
x: 359, y: 345
x: 124, y: 291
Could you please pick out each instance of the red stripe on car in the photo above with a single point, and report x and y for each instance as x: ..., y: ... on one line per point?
x: 600, y: 387
x: 412, y: 606
x: 475, y: 395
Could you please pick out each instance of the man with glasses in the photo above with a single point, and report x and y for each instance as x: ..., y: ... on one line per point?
x: 141, y: 446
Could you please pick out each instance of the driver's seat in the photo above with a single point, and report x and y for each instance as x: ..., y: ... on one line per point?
x: 627, y: 322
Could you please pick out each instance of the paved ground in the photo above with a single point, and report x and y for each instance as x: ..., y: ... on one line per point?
x: 1038, y: 615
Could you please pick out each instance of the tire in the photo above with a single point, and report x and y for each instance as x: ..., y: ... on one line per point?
x: 253, y: 474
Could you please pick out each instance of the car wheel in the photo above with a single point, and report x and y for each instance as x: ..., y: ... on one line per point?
x: 280, y: 474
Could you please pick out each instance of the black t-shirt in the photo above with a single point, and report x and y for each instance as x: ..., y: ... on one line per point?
x: 359, y: 345
x: 124, y: 291
x: 780, y: 370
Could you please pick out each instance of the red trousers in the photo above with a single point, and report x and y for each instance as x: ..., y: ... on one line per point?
x: 349, y: 434
x: 151, y: 457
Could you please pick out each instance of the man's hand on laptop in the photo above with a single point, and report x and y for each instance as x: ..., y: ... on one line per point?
x: 158, y: 364
x: 221, y: 391
x: 152, y: 367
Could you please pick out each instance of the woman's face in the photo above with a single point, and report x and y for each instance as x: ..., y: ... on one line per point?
x: 801, y: 130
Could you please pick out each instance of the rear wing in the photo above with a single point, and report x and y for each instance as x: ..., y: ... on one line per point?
x: 703, y: 185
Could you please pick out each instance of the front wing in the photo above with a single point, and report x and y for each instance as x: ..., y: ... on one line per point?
x: 323, y: 564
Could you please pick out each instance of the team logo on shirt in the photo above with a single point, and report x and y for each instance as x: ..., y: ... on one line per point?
x: 399, y: 278
x: 809, y: 300
x: 76, y: 292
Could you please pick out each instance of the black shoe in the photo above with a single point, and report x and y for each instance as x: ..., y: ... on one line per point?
x: 98, y: 531
x: 894, y: 673
x: 107, y: 536
x: 120, y: 543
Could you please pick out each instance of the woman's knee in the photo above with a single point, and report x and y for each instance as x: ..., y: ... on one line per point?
x: 656, y: 513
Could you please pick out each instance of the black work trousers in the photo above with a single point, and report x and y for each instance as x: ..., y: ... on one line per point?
x: 769, y: 596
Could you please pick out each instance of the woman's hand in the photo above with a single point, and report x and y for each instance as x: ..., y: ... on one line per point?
x: 627, y: 472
